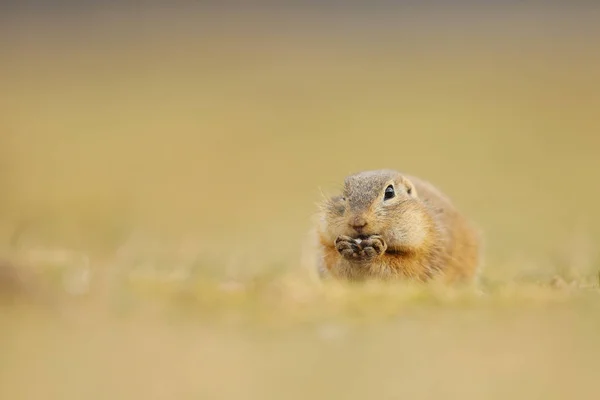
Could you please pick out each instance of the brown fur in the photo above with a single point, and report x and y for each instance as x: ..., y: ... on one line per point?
x: 419, y: 234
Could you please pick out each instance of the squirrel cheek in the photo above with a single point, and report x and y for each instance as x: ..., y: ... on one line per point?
x: 332, y: 228
x: 407, y: 236
x: 395, y: 236
x: 414, y: 236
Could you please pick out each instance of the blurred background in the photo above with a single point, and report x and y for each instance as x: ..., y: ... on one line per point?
x: 190, y: 142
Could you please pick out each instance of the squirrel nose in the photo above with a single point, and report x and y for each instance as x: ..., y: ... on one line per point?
x: 358, y: 223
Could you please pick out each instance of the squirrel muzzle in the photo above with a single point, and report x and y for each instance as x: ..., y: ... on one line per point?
x: 358, y: 224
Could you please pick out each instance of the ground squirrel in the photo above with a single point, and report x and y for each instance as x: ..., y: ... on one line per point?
x: 389, y: 225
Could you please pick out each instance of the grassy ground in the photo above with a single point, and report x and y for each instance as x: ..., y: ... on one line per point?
x: 159, y: 173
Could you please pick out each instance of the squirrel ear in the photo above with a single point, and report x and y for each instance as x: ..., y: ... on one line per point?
x: 410, y: 188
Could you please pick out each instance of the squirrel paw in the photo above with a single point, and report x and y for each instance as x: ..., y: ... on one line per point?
x: 373, y: 246
x: 347, y: 247
x: 360, y: 250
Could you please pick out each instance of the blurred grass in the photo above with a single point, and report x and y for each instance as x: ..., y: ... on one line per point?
x: 159, y: 172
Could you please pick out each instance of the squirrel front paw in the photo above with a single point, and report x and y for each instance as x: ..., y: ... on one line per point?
x: 373, y: 246
x: 347, y: 247
x: 360, y: 250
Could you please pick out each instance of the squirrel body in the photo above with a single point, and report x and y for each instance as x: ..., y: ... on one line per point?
x: 389, y: 225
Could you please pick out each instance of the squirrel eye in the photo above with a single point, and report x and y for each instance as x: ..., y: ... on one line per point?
x: 389, y: 193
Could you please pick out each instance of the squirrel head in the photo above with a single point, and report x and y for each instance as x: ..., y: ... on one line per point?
x: 380, y: 202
